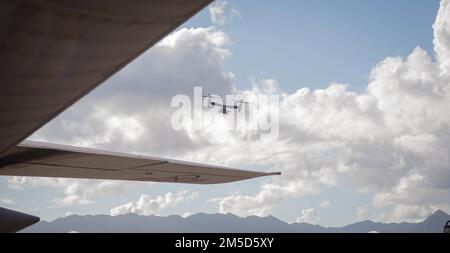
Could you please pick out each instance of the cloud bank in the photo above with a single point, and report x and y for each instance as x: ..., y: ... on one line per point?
x: 148, y: 206
x: 75, y: 191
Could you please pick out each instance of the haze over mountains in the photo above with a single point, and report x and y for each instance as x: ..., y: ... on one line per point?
x: 223, y: 223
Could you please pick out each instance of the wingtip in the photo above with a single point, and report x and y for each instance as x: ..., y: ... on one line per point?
x: 274, y: 173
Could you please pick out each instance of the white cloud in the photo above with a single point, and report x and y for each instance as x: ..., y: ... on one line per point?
x: 7, y: 201
x: 441, y: 40
x: 76, y: 191
x: 220, y: 12
x: 262, y: 203
x: 186, y: 214
x: 151, y: 206
x: 308, y: 215
x: 122, y: 209
x: 362, y: 212
x: 410, y: 212
x: 217, y: 12
x: 325, y: 204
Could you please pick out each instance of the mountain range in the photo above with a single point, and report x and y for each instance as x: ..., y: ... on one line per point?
x: 223, y: 223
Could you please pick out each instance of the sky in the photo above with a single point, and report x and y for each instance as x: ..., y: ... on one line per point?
x: 364, y: 132
x: 313, y: 43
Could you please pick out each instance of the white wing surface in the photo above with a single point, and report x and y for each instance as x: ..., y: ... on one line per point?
x: 40, y: 159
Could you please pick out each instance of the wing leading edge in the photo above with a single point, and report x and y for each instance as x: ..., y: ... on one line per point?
x: 39, y: 159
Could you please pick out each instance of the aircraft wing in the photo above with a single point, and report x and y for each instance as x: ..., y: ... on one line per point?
x: 53, y: 52
x: 40, y: 159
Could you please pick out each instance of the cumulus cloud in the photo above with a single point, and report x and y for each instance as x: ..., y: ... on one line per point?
x: 392, y: 139
x: 441, y: 40
x: 75, y: 192
x: 220, y: 12
x: 308, y: 215
x: 150, y: 206
x: 269, y: 197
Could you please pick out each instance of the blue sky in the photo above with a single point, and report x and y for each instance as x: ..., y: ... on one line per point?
x: 298, y: 44
x: 313, y: 43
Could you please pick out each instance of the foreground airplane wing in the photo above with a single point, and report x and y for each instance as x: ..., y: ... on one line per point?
x: 40, y: 159
x: 53, y: 52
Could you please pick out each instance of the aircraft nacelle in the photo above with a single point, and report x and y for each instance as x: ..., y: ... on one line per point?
x: 225, y: 107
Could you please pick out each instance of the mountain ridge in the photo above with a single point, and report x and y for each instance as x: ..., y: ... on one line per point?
x: 223, y: 223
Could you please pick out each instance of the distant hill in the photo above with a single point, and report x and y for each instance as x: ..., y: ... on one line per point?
x: 223, y: 223
x: 433, y: 224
